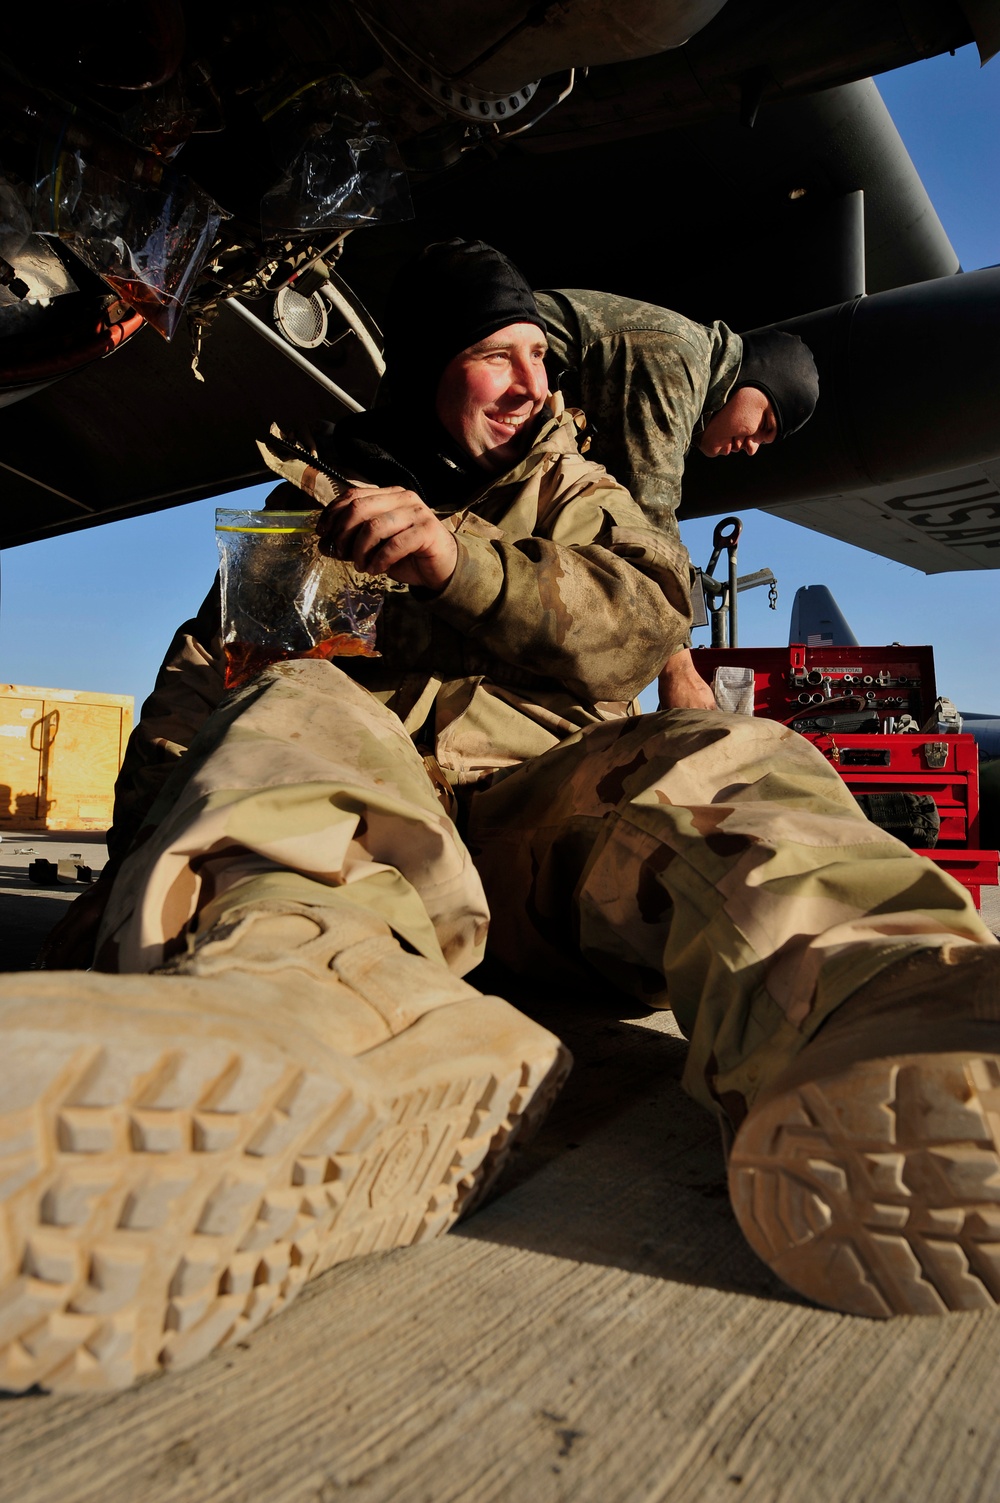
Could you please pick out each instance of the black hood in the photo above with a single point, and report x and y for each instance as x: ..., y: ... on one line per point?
x: 451, y: 296
x: 782, y: 367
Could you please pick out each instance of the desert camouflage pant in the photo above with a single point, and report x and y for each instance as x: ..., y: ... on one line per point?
x: 711, y: 863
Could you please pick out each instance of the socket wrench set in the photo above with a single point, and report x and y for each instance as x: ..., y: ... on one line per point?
x: 874, y: 714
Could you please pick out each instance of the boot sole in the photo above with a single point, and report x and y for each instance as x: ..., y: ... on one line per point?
x: 167, y: 1183
x: 876, y: 1189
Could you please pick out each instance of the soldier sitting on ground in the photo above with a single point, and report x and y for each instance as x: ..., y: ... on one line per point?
x: 287, y: 1069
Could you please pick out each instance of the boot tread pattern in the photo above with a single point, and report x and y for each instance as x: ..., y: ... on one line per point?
x: 160, y: 1202
x: 878, y: 1191
x: 536, y: 1090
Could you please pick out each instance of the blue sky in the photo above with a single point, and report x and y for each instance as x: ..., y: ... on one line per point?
x: 95, y: 610
x: 947, y: 111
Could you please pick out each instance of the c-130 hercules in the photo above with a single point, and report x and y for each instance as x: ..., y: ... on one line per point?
x: 206, y: 162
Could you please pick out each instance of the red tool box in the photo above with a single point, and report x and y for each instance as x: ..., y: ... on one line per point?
x: 859, y: 706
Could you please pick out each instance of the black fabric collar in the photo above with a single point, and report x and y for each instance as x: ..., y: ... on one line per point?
x: 387, y: 449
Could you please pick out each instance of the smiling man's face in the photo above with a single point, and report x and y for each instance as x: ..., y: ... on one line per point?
x: 490, y: 394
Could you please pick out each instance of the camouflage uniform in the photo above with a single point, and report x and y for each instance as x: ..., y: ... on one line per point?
x: 714, y: 864
x: 522, y: 648
x: 671, y: 370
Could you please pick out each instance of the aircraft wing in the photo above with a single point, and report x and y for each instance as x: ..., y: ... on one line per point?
x: 819, y: 198
x: 936, y: 524
x: 136, y: 432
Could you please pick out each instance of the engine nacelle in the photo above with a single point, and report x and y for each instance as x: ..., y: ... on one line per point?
x: 909, y: 386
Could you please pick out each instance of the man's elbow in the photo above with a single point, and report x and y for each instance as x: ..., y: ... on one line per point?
x: 623, y: 669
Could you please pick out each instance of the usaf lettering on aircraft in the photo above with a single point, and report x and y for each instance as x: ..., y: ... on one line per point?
x: 943, y: 518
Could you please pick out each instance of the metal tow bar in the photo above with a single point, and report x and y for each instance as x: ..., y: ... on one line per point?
x: 719, y: 598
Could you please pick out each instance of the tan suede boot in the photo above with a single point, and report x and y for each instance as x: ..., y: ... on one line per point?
x: 868, y: 1175
x: 180, y: 1152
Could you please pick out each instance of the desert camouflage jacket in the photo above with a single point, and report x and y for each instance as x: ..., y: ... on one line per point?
x: 563, y: 605
x: 645, y: 377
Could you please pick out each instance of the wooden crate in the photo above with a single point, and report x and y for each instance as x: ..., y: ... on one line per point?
x: 60, y: 751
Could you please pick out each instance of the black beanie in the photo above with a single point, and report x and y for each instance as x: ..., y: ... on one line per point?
x: 782, y: 367
x: 451, y: 296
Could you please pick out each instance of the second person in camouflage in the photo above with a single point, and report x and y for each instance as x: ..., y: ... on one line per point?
x: 654, y: 384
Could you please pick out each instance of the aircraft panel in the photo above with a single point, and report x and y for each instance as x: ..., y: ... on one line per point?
x: 137, y: 432
x: 936, y: 524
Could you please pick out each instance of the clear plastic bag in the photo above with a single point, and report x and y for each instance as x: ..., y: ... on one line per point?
x: 163, y: 119
x: 340, y: 167
x: 282, y: 598
x: 161, y: 122
x: 140, y: 225
x: 33, y: 260
x: 147, y: 239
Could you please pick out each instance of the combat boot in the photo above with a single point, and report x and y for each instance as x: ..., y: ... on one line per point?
x: 868, y: 1175
x: 180, y: 1151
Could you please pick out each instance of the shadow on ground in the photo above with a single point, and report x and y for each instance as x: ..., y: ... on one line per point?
x: 626, y: 1171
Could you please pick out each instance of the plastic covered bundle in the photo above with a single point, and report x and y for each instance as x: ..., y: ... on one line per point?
x: 339, y: 167
x: 161, y: 123
x: 282, y: 598
x: 147, y: 234
x: 146, y: 230
x: 38, y: 275
x: 163, y: 119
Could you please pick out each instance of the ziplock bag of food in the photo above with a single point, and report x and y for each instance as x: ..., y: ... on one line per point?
x: 282, y: 598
